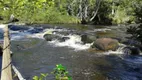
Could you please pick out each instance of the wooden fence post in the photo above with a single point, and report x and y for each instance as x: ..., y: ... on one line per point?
x: 6, y: 73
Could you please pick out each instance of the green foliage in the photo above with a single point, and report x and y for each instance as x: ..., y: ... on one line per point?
x: 36, y: 11
x: 72, y: 11
x: 102, y: 18
x: 123, y: 12
x: 138, y: 11
x: 59, y: 71
x: 41, y: 77
x: 121, y: 16
x: 136, y: 32
x: 57, y: 17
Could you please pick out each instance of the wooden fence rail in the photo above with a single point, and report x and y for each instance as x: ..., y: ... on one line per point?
x: 6, y: 73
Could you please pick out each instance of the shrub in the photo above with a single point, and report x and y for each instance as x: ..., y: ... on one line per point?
x: 136, y: 32
x: 59, y: 71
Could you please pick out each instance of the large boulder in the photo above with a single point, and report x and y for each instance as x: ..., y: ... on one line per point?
x: 106, y: 44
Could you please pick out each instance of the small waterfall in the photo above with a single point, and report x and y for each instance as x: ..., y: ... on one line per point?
x: 118, y: 51
x: 74, y: 41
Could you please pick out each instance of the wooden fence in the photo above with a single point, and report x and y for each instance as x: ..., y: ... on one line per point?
x: 6, y: 71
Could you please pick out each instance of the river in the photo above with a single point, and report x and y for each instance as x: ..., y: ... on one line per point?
x: 33, y: 55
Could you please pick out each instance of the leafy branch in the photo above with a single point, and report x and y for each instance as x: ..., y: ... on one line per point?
x: 60, y: 73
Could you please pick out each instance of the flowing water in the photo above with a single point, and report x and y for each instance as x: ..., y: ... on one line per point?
x: 33, y: 55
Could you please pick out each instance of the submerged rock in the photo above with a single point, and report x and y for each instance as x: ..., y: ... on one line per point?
x: 88, y: 38
x: 50, y: 37
x: 63, y: 39
x: 106, y: 44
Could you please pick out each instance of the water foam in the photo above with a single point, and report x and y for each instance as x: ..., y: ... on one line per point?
x: 41, y: 34
x: 118, y: 51
x: 36, y: 35
x: 74, y: 41
x: 16, y: 35
x: 48, y: 31
x: 54, y: 29
x: 2, y: 26
x: 103, y: 30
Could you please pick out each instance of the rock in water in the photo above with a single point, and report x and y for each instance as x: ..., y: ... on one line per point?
x: 131, y: 51
x: 88, y: 38
x: 50, y: 37
x: 106, y: 44
x: 84, y: 39
x: 63, y: 39
x: 134, y: 43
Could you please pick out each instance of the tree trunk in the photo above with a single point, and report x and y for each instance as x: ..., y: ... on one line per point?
x: 112, y: 8
x: 96, y: 9
x: 80, y: 15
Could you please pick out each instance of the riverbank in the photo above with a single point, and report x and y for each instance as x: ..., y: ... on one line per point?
x: 56, y: 19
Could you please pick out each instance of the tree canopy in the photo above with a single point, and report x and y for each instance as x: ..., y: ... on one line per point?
x: 73, y: 11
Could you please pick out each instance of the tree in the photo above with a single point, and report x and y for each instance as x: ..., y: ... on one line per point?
x: 137, y: 10
x: 86, y: 11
